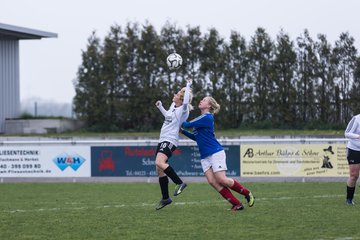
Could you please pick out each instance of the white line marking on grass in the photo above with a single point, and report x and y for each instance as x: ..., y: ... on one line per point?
x: 304, y: 197
x: 153, y: 204
x: 344, y: 238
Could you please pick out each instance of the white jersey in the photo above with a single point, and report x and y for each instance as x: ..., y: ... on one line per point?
x: 174, y: 117
x: 352, y: 132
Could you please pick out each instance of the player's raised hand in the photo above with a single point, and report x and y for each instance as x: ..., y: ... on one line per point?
x: 158, y: 103
x: 189, y: 80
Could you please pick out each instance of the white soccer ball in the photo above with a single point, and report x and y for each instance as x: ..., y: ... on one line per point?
x: 174, y: 61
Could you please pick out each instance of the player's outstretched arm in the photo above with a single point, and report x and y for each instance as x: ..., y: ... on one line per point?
x: 159, y: 105
x: 188, y: 134
x: 187, y: 93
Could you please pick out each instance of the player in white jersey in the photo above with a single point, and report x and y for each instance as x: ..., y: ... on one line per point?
x: 352, y: 132
x: 169, y: 140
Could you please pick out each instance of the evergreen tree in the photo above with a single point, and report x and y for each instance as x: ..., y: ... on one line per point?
x: 212, y: 61
x: 90, y: 87
x: 325, y: 84
x: 354, y: 96
x: 212, y: 67
x: 193, y: 45
x: 235, y: 70
x: 112, y: 74
x: 347, y: 56
x: 284, y: 96
x: 128, y: 82
x: 306, y: 76
x: 149, y: 64
x: 260, y: 54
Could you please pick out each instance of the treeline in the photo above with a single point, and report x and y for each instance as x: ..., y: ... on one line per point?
x: 263, y: 82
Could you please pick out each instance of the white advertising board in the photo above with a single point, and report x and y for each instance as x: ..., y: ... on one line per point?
x: 45, y: 161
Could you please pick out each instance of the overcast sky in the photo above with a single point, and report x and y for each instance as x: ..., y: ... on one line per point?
x: 48, y: 66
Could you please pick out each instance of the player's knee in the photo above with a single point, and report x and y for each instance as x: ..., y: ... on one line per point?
x: 212, y: 182
x: 354, y: 177
x: 160, y: 164
x: 223, y: 182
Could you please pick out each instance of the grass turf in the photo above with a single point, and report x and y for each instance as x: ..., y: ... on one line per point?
x: 126, y: 211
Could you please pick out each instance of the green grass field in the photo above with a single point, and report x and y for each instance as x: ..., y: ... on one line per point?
x: 126, y: 211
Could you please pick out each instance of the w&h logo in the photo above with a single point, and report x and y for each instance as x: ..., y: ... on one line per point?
x: 65, y: 160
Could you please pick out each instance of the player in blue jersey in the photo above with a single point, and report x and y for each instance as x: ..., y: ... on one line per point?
x: 352, y: 132
x: 213, y: 158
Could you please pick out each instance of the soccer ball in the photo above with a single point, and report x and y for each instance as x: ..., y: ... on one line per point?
x: 174, y: 61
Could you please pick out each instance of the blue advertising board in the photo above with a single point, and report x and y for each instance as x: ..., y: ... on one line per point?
x: 139, y: 161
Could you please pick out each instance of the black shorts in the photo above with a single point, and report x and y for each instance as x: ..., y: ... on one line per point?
x: 166, y: 148
x: 353, y: 156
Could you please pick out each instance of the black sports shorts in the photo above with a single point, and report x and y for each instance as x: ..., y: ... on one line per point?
x: 166, y: 148
x: 353, y: 156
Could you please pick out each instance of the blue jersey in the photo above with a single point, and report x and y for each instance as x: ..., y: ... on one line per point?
x: 203, y: 134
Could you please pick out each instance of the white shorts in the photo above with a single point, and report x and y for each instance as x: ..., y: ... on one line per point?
x: 217, y: 162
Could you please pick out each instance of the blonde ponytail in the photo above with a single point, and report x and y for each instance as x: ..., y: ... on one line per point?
x: 214, y: 106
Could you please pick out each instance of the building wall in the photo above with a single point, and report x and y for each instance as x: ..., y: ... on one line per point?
x: 40, y: 126
x: 9, y: 81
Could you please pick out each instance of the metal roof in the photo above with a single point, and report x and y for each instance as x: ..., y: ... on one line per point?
x: 14, y: 32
